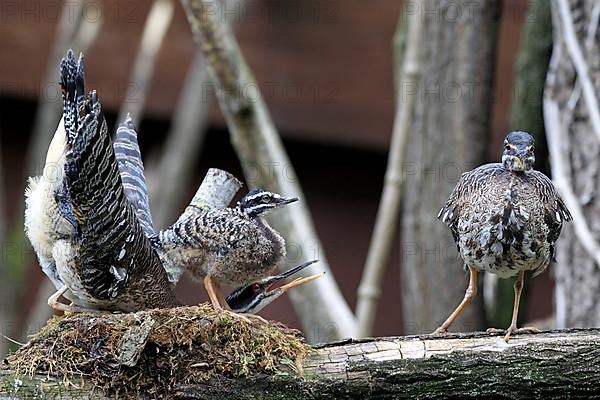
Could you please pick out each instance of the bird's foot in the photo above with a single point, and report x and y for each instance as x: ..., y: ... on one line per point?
x: 256, y: 317
x: 234, y: 315
x: 67, y: 309
x: 513, y: 330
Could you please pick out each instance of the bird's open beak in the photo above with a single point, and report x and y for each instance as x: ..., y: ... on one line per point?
x: 300, y: 281
x: 274, y: 280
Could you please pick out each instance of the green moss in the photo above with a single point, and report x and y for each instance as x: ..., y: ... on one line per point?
x: 187, y: 345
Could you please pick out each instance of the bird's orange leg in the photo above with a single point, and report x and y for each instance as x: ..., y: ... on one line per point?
x: 214, y: 293
x: 218, y: 301
x: 512, y: 329
x: 469, y: 296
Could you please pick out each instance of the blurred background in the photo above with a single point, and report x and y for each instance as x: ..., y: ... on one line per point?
x: 328, y: 74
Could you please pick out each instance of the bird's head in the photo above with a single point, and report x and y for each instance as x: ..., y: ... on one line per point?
x: 518, y: 154
x: 259, y: 201
x: 252, y: 298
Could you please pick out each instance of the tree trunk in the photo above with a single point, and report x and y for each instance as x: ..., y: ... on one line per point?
x: 449, y: 136
x: 558, y: 364
x: 572, y: 119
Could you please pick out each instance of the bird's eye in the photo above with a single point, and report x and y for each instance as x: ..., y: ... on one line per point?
x: 255, y: 287
x: 507, y: 146
x: 265, y: 198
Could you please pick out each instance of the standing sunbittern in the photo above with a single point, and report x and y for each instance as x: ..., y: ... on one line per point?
x: 505, y: 219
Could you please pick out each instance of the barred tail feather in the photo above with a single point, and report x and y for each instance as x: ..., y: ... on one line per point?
x: 131, y: 169
x: 72, y: 82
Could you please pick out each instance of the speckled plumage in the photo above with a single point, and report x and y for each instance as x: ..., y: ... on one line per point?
x: 100, y: 253
x: 504, y: 222
x: 505, y: 219
x: 230, y: 245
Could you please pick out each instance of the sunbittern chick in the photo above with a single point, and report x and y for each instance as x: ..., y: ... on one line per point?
x: 252, y: 298
x: 505, y: 219
x: 231, y: 246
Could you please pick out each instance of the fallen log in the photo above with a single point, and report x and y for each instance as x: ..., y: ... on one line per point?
x: 553, y: 364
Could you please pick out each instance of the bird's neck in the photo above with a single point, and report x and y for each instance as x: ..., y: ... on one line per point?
x: 272, y: 236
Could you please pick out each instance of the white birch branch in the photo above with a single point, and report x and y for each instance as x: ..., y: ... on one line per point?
x: 554, y: 129
x: 581, y: 67
x: 185, y: 138
x: 369, y: 290
x: 266, y: 163
x: 158, y: 20
x: 184, y: 142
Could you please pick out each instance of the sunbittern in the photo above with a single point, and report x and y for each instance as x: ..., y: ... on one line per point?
x: 81, y: 221
x: 505, y: 219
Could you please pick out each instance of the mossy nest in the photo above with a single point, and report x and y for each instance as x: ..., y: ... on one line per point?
x: 153, y: 351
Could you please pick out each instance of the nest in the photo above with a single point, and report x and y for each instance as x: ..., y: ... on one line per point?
x: 151, y: 352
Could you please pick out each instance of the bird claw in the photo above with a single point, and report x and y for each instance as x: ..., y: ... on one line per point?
x: 256, y: 317
x: 68, y: 309
x: 245, y: 317
x: 235, y: 315
x: 513, y: 330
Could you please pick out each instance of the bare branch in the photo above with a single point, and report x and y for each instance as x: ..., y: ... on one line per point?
x: 184, y: 142
x: 574, y: 49
x: 155, y: 29
x: 73, y: 30
x: 173, y: 171
x: 265, y: 161
x: 554, y: 129
x: 369, y: 290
